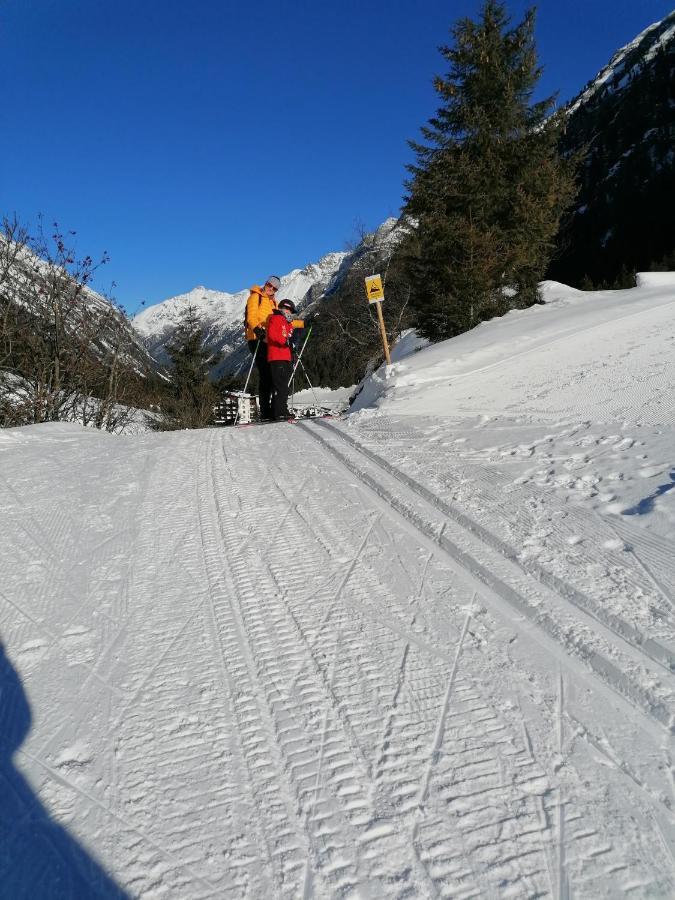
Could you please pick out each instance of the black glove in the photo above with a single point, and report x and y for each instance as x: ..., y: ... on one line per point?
x: 259, y: 332
x: 296, y: 340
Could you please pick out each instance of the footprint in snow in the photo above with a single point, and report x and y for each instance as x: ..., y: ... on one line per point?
x: 651, y: 471
x: 74, y: 757
x: 30, y: 648
x: 614, y: 544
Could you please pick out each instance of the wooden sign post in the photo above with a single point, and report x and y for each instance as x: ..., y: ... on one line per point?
x: 375, y: 294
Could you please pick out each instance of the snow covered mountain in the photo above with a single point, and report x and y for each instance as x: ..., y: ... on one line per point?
x: 222, y: 313
x: 624, y: 121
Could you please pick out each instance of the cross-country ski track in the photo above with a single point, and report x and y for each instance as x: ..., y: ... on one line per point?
x: 276, y: 662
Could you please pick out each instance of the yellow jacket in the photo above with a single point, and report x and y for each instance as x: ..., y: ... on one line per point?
x: 259, y: 307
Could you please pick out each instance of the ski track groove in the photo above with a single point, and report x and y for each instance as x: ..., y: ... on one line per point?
x: 603, y: 663
x: 526, y: 511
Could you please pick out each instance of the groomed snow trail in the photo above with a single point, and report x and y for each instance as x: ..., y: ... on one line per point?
x: 249, y: 676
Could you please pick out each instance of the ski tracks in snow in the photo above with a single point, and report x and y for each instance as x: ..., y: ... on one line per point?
x: 434, y: 793
x: 285, y: 685
x: 636, y: 660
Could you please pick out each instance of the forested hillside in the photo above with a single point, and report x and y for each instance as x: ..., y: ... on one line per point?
x: 623, y: 220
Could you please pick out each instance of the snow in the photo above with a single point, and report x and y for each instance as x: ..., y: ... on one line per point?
x: 426, y: 650
x: 336, y: 400
x: 656, y: 279
x: 408, y: 342
x: 577, y: 355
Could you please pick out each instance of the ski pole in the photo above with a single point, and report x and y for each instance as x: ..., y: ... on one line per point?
x: 248, y: 377
x: 302, y: 350
x: 302, y: 366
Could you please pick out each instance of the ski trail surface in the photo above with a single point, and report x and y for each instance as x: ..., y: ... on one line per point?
x: 261, y: 663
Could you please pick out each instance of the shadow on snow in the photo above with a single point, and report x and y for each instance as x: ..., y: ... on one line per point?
x: 646, y: 505
x: 38, y: 858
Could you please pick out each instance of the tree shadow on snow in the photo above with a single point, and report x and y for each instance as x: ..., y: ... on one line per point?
x: 38, y: 858
x: 646, y: 505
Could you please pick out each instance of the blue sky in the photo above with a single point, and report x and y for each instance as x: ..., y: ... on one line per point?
x: 215, y: 142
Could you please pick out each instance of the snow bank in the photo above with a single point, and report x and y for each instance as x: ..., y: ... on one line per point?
x: 655, y: 279
x: 337, y: 399
x: 596, y: 355
x: 409, y: 342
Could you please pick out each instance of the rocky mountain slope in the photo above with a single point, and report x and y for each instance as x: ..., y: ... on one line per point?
x: 624, y: 217
x: 29, y: 281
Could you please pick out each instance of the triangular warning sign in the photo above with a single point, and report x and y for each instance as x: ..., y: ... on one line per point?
x: 374, y: 289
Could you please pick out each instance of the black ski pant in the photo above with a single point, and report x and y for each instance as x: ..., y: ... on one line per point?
x: 281, y: 373
x: 259, y: 351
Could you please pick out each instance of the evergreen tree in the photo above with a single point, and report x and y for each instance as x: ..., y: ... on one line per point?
x: 191, y: 396
x: 489, y: 187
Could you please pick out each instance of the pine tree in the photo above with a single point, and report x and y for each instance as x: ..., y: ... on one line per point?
x: 488, y: 188
x: 191, y: 396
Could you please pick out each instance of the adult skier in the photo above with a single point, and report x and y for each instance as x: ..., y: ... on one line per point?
x: 259, y: 307
x: 279, y: 333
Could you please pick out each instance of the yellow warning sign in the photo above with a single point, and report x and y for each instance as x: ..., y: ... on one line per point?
x: 374, y: 289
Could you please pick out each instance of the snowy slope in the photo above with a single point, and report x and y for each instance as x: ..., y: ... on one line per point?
x: 600, y: 365
x: 586, y: 354
x: 425, y: 651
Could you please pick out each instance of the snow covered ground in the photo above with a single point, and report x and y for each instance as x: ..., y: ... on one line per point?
x: 335, y: 401
x: 424, y: 651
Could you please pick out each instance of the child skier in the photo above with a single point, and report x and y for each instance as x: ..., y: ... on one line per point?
x: 279, y: 331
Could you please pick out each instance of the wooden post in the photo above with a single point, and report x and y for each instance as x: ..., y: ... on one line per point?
x: 383, y: 332
x: 375, y: 294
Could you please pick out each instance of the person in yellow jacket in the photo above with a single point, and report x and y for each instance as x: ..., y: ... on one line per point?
x: 259, y: 307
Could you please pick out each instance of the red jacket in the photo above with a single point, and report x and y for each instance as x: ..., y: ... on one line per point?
x: 279, y: 331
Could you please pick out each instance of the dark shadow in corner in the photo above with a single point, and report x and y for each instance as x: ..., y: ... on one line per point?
x: 38, y: 858
x: 647, y: 503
